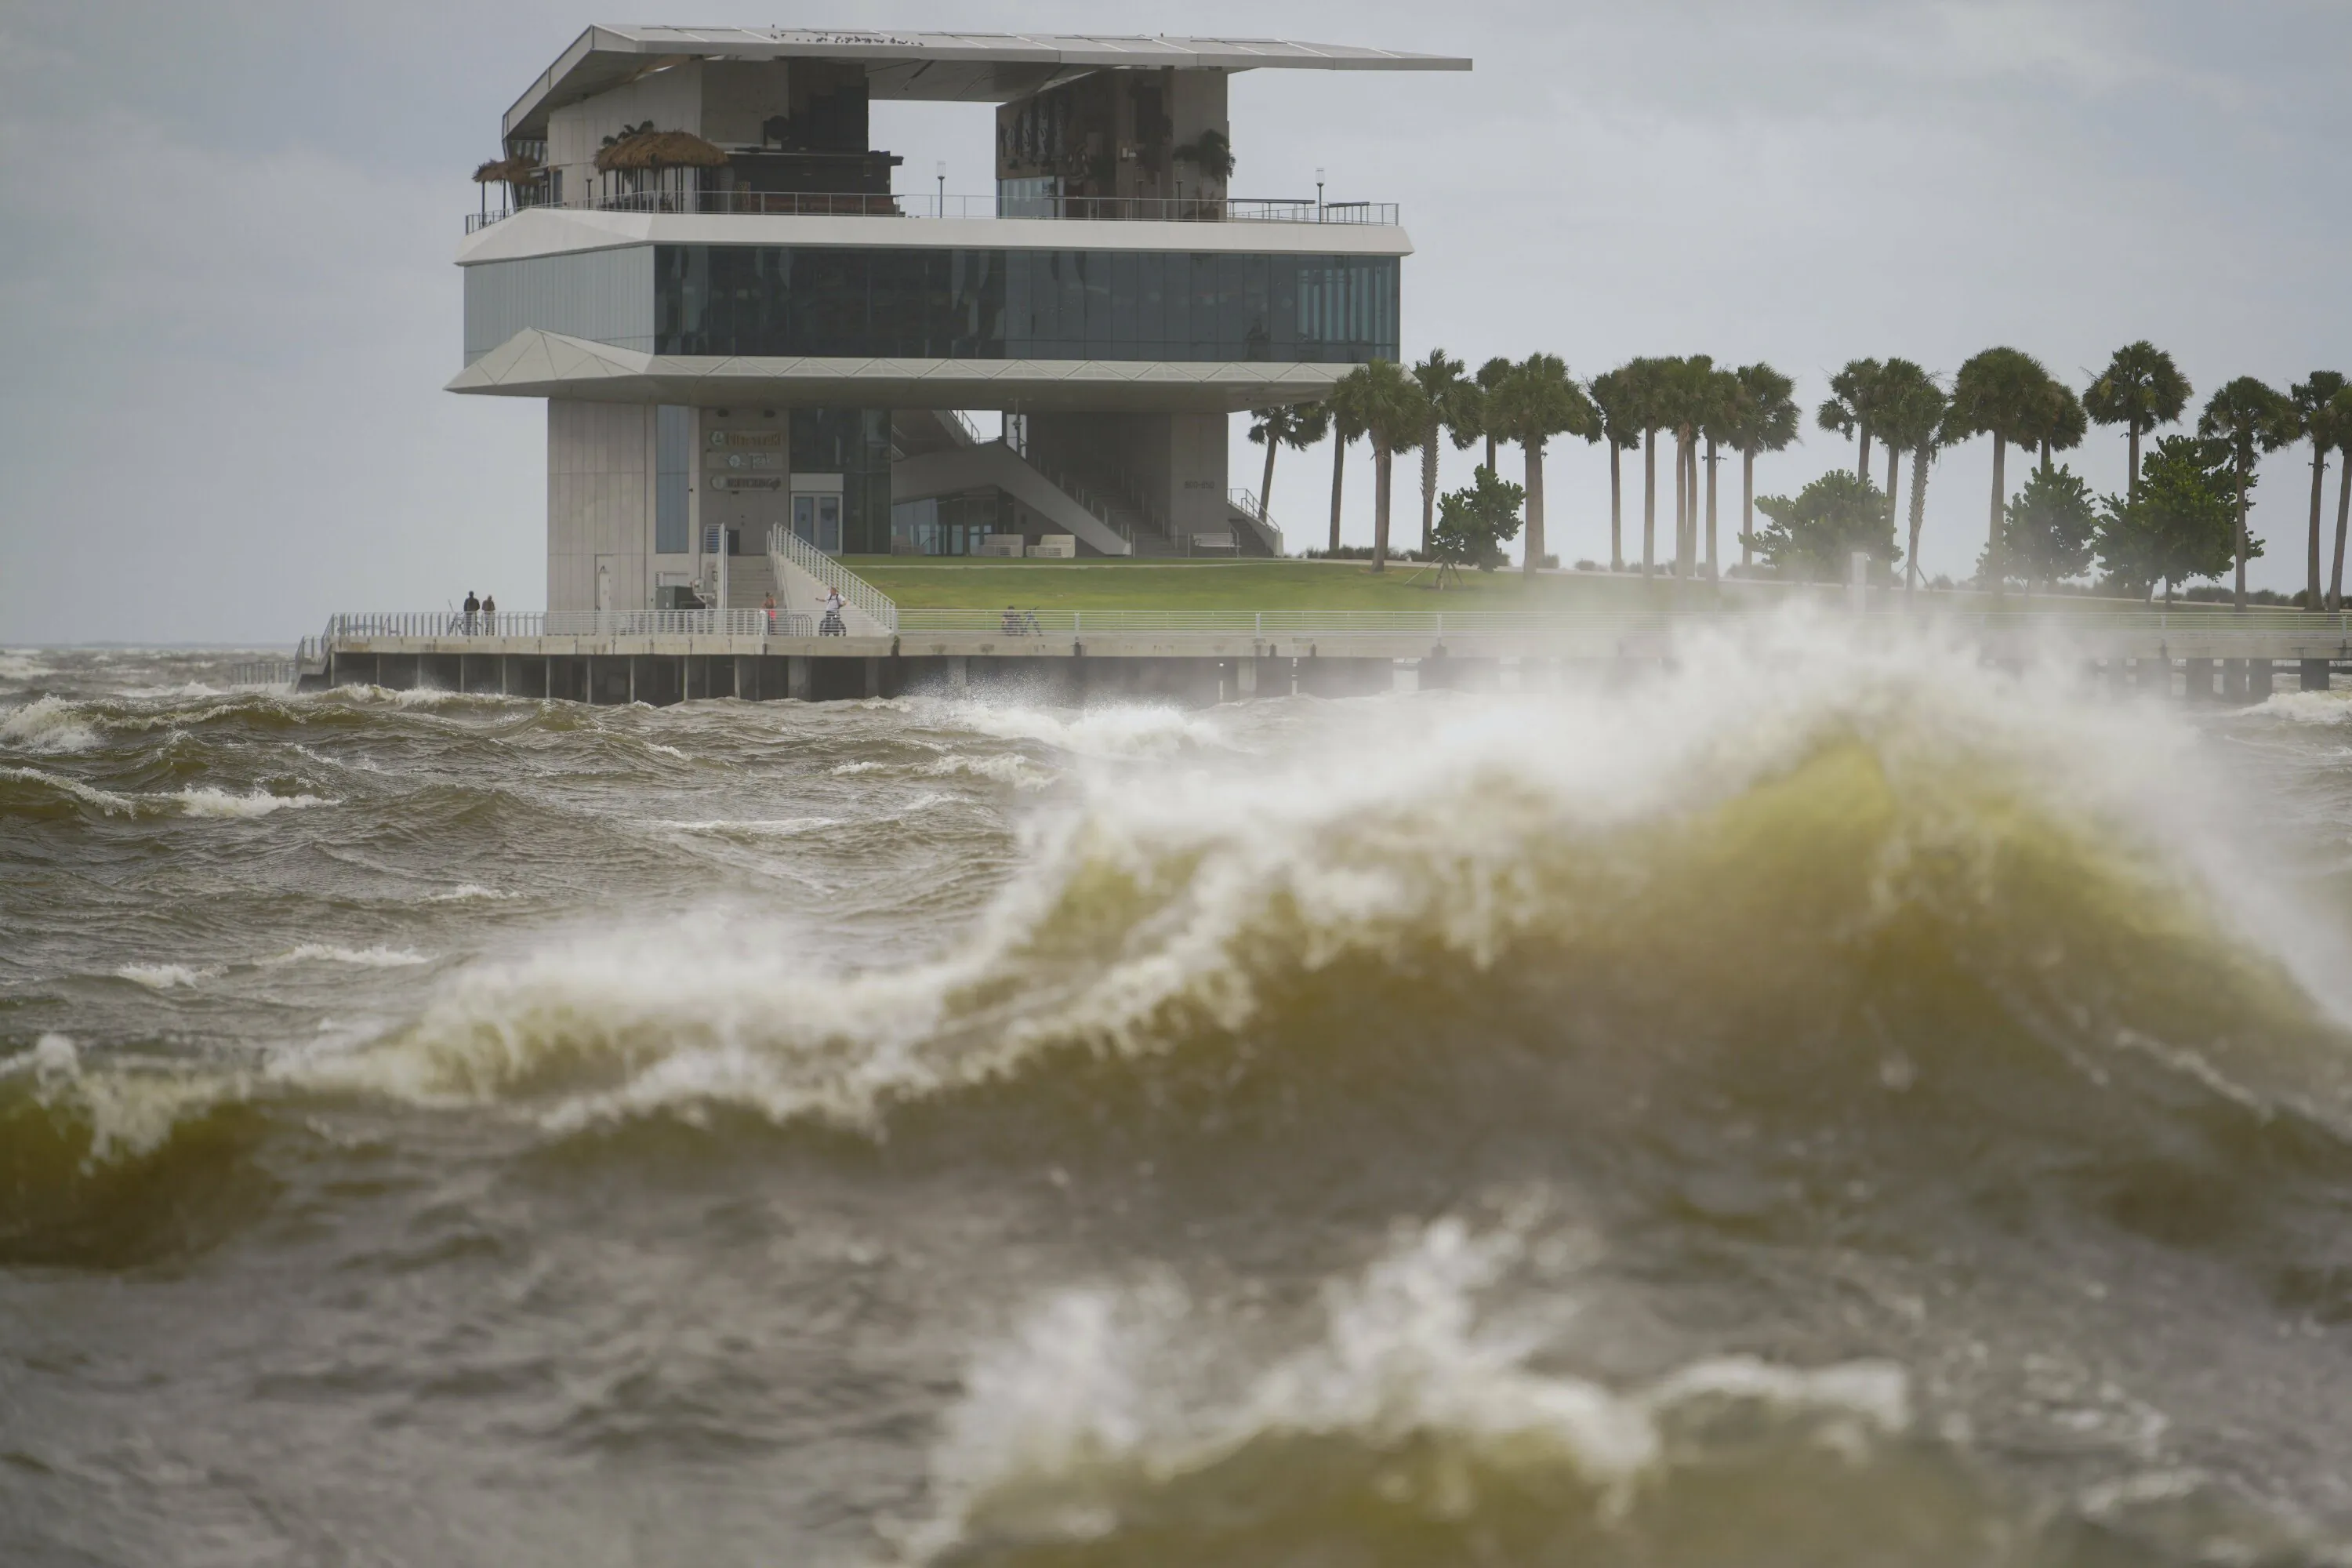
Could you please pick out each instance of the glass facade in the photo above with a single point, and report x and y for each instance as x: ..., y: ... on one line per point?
x: 856, y: 302
x: 950, y: 525
x: 601, y: 296
x: 855, y: 444
x: 833, y: 301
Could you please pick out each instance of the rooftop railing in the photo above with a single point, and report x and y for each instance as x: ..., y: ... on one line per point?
x: 1072, y: 209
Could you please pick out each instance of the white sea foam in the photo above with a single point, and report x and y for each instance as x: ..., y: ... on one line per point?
x: 205, y: 801
x: 849, y: 770
x: 22, y: 669
x: 465, y: 892
x: 1100, y: 1389
x: 2306, y: 707
x: 667, y: 751
x: 130, y: 1112
x: 1118, y: 732
x: 364, y: 957
x: 166, y: 976
x: 1003, y: 767
x: 47, y: 724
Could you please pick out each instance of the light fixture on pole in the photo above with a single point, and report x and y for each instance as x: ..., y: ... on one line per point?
x: 1319, y: 194
x: 941, y: 169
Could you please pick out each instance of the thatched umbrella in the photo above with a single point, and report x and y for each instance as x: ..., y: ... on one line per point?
x: 659, y: 150
x: 512, y: 172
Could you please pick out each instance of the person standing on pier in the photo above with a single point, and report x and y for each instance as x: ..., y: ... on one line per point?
x: 473, y: 610
x: 489, y: 615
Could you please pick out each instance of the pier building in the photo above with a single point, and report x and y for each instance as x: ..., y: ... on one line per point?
x: 691, y: 248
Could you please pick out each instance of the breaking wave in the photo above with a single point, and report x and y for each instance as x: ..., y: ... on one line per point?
x: 1117, y: 1426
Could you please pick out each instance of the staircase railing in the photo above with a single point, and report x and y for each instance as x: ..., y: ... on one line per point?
x: 1097, y: 507
x: 1247, y: 503
x: 856, y: 591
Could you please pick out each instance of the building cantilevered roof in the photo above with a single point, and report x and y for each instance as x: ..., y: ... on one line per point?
x: 970, y: 68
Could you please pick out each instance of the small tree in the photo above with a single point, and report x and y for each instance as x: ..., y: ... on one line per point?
x: 1474, y: 524
x: 1812, y: 536
x: 2180, y: 521
x: 2050, y: 528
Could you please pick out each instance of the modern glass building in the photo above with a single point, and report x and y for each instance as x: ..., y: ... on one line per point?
x: 690, y: 249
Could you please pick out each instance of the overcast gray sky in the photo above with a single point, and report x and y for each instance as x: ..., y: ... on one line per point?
x: 226, y: 231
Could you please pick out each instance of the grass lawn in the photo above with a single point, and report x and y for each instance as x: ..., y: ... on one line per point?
x: 932, y: 584
x: 958, y: 584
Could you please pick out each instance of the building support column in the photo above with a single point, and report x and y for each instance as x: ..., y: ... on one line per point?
x: 2315, y: 674
x: 2199, y: 675
x: 958, y: 672
x: 2260, y: 675
x: 873, y: 678
x: 798, y: 670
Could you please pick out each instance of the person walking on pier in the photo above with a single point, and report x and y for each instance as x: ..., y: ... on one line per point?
x: 489, y: 615
x: 473, y: 610
x: 768, y: 607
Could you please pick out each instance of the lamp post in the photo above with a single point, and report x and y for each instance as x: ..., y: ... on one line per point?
x: 1319, y: 194
x: 941, y: 170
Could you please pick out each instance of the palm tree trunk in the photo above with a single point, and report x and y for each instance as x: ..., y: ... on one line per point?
x: 1690, y: 505
x: 2131, y: 479
x: 1894, y: 472
x: 1682, y: 492
x: 2318, y: 500
x: 1617, y: 512
x: 1862, y: 466
x: 2245, y: 462
x: 1428, y: 485
x: 2000, y: 489
x: 1918, y: 512
x: 1339, y: 475
x: 2343, y: 515
x: 1380, y: 487
x: 1266, y: 485
x: 1534, y: 552
x: 1490, y: 451
x: 1649, y: 501
x: 1712, y: 573
x: 1747, y: 507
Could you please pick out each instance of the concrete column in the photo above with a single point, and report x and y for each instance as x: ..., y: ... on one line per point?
x: 2314, y: 675
x: 799, y: 669
x: 2259, y: 675
x: 958, y: 672
x: 2199, y: 673
x: 2233, y: 679
x: 1245, y: 679
x: 873, y: 678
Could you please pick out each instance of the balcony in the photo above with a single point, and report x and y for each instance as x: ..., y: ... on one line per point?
x: 1076, y: 209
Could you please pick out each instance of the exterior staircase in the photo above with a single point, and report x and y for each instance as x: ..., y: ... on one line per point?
x: 806, y: 577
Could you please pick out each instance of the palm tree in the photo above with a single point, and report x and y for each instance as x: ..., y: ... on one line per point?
x: 2339, y: 416
x: 1536, y: 402
x: 1911, y: 420
x: 1612, y: 398
x: 2140, y: 389
x: 1719, y: 423
x: 1297, y: 425
x: 1389, y: 407
x: 1646, y: 381
x: 1345, y: 431
x: 1441, y: 385
x: 1491, y: 376
x: 2314, y: 403
x: 2248, y: 414
x: 2003, y: 393
x: 1769, y: 420
x: 2063, y: 423
x: 1852, y: 406
x: 1902, y: 391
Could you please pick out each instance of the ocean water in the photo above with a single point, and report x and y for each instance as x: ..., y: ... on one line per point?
x: 1822, y: 1105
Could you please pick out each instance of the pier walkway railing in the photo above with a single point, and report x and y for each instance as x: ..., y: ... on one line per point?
x: 856, y: 591
x: 752, y: 622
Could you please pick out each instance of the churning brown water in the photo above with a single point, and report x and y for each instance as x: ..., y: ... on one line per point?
x: 1825, y: 1106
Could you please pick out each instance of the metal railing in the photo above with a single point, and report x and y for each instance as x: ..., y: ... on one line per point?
x: 1246, y: 503
x: 1102, y: 509
x: 443, y: 624
x: 860, y: 594
x: 1062, y: 209
x: 263, y: 672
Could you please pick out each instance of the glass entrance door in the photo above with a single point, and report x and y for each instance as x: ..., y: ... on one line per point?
x: 816, y: 519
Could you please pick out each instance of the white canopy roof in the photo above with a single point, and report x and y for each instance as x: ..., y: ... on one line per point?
x: 975, y: 68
